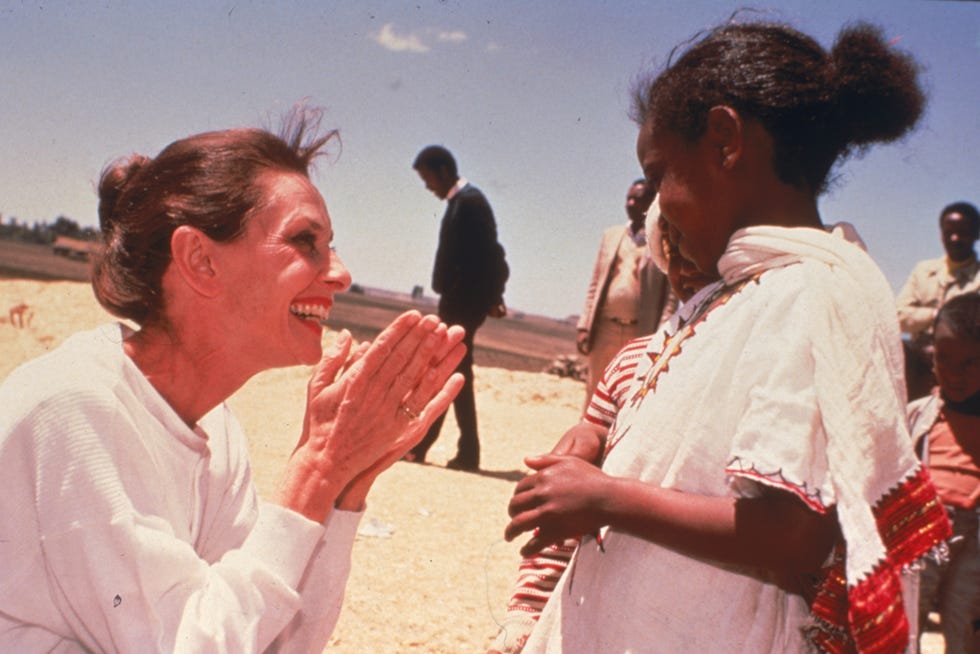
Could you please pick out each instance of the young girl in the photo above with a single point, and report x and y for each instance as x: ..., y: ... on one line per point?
x: 758, y: 492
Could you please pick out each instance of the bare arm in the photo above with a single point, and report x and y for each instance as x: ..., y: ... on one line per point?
x: 567, y: 497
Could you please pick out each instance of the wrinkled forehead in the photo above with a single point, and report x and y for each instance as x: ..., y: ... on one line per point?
x: 289, y: 195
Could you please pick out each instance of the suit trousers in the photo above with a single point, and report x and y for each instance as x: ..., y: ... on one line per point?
x: 464, y: 406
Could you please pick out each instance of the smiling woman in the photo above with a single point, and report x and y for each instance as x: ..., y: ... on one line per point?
x: 129, y: 521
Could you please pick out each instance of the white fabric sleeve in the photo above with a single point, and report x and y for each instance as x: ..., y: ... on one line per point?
x: 123, y: 580
x: 322, y: 586
x: 779, y: 440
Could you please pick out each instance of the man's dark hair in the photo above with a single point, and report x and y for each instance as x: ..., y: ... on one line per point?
x: 966, y: 210
x: 435, y: 157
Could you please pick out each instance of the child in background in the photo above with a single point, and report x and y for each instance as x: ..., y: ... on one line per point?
x: 538, y: 574
x: 946, y: 429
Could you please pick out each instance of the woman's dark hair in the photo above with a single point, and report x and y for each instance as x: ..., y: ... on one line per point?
x: 962, y: 315
x: 817, y: 106
x: 966, y: 210
x: 208, y: 181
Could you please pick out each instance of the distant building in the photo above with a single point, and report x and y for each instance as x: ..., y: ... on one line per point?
x: 74, y: 248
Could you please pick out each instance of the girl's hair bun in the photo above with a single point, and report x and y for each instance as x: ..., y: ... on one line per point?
x: 878, y: 98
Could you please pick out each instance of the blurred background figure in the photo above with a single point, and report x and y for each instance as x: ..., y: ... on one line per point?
x: 628, y: 295
x: 934, y: 282
x: 946, y: 431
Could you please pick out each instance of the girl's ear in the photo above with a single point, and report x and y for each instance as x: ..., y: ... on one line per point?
x: 193, y: 256
x: 724, y: 132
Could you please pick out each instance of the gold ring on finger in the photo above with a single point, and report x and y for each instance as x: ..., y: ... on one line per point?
x: 408, y: 412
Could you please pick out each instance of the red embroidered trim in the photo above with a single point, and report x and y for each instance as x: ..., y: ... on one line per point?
x: 870, y: 617
x: 737, y: 467
x: 660, y: 361
x: 913, y: 524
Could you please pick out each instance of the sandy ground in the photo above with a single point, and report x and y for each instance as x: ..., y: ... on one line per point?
x: 431, y: 571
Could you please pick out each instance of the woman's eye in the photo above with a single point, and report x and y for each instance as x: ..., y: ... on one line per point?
x: 307, y: 240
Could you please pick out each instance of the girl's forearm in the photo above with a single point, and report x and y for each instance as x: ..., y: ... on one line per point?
x: 775, y: 531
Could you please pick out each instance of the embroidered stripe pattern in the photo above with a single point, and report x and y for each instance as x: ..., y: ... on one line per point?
x: 537, y: 577
x: 813, y: 500
x: 870, y: 617
x: 672, y: 347
x: 610, y: 393
x: 685, y: 330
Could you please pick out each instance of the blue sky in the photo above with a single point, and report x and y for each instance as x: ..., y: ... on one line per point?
x: 532, y: 97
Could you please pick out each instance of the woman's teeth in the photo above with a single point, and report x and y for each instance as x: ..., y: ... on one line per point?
x: 315, y: 312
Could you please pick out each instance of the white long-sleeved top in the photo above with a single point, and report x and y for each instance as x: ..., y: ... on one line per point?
x: 124, y: 530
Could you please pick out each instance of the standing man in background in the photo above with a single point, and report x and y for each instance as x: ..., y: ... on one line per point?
x: 469, y: 274
x: 934, y: 282
x: 628, y: 295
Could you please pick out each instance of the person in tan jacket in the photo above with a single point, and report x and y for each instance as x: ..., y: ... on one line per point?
x: 628, y: 295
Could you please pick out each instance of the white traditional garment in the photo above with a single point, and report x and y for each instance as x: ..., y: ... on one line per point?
x: 786, y: 373
x: 124, y: 530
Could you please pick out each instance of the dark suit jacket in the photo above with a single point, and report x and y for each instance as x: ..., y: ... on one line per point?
x: 466, y: 272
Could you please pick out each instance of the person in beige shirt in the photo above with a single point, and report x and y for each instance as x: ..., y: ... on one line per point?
x: 933, y: 282
x: 628, y: 295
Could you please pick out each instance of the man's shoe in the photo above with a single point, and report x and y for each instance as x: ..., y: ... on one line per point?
x: 459, y: 464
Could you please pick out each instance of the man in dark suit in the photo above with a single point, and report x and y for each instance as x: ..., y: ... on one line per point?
x: 469, y: 274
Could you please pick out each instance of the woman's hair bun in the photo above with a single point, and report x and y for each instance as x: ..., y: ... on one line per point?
x: 878, y: 97
x: 116, y: 177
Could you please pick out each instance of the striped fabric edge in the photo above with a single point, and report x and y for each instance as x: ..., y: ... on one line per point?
x: 870, y: 617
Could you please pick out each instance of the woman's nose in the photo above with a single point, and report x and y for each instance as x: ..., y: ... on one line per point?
x: 337, y: 274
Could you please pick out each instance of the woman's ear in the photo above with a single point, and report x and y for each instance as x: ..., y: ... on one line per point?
x: 725, y: 133
x: 194, y: 258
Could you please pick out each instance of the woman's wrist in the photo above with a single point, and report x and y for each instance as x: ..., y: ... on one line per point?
x: 354, y: 497
x: 309, y: 492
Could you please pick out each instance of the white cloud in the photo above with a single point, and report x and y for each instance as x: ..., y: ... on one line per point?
x: 456, y: 36
x: 387, y: 39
